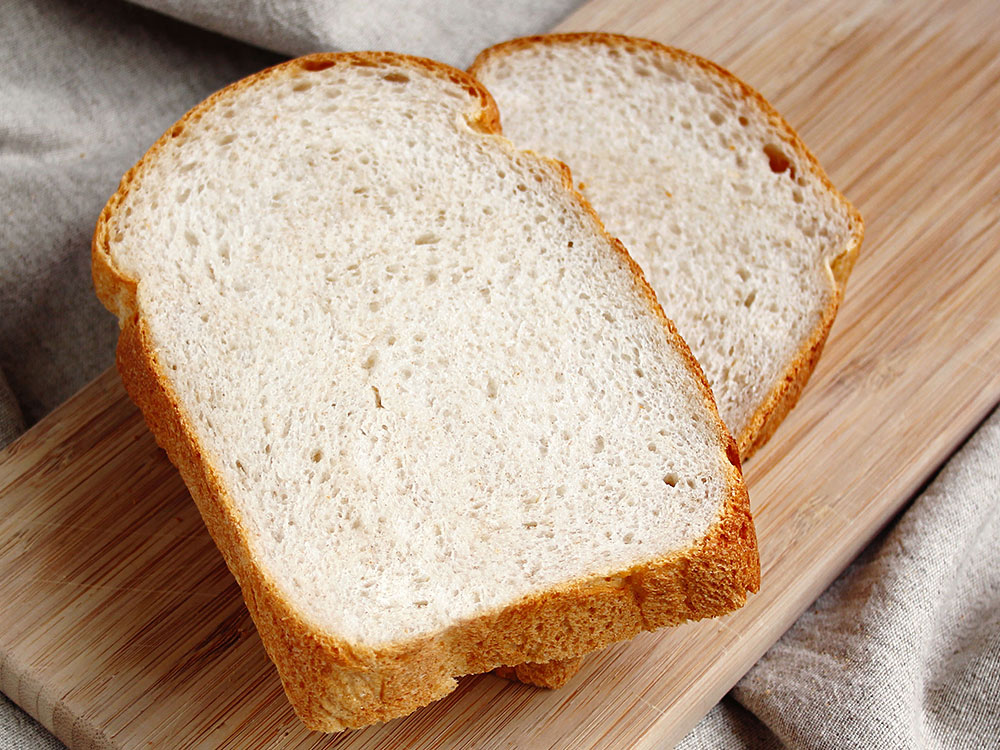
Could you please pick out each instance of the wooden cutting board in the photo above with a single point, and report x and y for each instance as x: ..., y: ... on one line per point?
x: 121, y: 627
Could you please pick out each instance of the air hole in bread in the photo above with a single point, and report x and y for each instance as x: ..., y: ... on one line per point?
x: 717, y: 118
x: 396, y: 77
x: 314, y: 66
x: 777, y: 159
x: 671, y: 479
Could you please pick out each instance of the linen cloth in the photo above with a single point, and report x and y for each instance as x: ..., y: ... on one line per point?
x: 902, y: 651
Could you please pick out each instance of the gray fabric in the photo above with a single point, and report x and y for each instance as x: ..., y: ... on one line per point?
x: 903, y: 650
x: 451, y: 31
x: 18, y: 731
x: 729, y: 726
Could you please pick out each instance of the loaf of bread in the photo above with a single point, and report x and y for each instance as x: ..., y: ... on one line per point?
x: 431, y: 413
x: 742, y: 236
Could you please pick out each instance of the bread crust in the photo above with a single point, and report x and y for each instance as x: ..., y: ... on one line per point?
x: 785, y: 391
x: 551, y: 674
x: 334, y: 684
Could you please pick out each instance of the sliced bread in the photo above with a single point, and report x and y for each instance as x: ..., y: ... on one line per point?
x: 742, y: 236
x: 431, y: 413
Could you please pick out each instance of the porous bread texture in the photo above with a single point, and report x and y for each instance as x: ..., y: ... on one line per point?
x: 431, y: 413
x: 738, y: 230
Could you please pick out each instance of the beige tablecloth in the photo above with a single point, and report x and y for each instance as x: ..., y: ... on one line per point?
x: 902, y: 651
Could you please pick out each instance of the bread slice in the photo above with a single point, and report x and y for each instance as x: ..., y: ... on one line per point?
x: 740, y: 233
x: 431, y: 413
x: 736, y: 226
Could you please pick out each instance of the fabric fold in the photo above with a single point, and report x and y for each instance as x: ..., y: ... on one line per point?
x: 451, y: 31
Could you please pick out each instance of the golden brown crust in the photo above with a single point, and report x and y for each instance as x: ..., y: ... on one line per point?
x: 786, y: 389
x: 551, y: 674
x: 334, y: 684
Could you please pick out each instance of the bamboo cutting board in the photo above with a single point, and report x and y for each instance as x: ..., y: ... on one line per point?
x: 121, y: 627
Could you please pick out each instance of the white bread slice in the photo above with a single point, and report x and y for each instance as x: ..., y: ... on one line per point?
x: 431, y: 413
x: 740, y: 233
x: 736, y: 226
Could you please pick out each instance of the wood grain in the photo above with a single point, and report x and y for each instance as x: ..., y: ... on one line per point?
x: 120, y: 626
